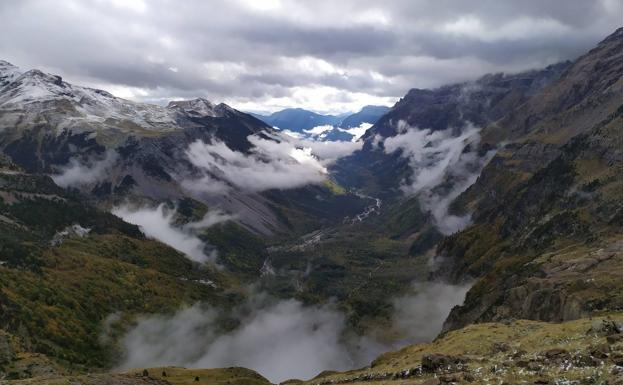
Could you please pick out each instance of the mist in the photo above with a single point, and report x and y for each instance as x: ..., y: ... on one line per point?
x: 283, y: 339
x: 159, y: 223
x: 76, y: 173
x: 282, y: 162
x: 420, y: 317
x: 444, y: 165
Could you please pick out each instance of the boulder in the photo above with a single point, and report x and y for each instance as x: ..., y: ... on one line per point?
x: 439, y: 362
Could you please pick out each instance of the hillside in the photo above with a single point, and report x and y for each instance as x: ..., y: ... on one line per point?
x: 548, y: 202
x: 67, y: 266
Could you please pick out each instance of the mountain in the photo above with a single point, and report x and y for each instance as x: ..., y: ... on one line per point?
x: 452, y: 107
x: 548, y: 202
x: 46, y: 123
x: 299, y: 120
x: 368, y: 114
x: 55, y: 246
x: 307, y: 124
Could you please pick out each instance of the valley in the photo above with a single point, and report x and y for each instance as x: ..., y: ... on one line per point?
x: 470, y: 233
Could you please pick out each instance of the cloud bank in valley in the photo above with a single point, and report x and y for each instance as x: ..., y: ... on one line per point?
x: 282, y: 339
x: 437, y: 157
x: 282, y: 162
x: 159, y: 223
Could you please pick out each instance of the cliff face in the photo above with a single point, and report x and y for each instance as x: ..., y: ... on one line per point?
x: 545, y: 242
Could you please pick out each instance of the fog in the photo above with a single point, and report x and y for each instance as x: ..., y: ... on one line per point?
x: 159, y: 223
x: 76, y: 173
x: 420, y: 317
x: 444, y: 165
x: 283, y: 339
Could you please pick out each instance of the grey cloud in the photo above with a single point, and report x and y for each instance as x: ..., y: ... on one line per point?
x: 109, y: 42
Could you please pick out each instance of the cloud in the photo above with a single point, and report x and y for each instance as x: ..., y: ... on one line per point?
x: 444, y: 165
x: 420, y: 316
x: 315, y: 131
x: 295, y: 53
x: 357, y: 132
x: 159, y: 223
x: 281, y: 162
x: 76, y: 173
x: 329, y: 151
x: 281, y: 339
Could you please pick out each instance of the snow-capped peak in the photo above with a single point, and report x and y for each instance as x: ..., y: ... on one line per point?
x: 8, y: 73
x: 199, y: 106
x: 35, y: 97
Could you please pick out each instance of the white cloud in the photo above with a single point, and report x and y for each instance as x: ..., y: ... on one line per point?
x: 283, y: 162
x: 329, y: 151
x: 357, y: 132
x: 319, y: 129
x: 436, y: 157
x: 270, y: 164
x: 283, y: 339
x: 76, y: 173
x: 159, y: 223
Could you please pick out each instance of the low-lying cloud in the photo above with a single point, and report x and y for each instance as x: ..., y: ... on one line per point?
x: 282, y: 162
x: 319, y: 130
x: 357, y: 132
x: 76, y: 173
x: 159, y: 223
x: 420, y: 317
x: 444, y: 165
x: 282, y: 339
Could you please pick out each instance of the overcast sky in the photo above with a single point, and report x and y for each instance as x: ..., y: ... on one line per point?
x: 325, y: 55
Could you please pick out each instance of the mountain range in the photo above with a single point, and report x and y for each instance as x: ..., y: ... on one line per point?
x: 485, y: 213
x: 343, y: 127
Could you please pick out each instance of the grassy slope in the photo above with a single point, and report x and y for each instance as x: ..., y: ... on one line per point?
x: 513, y: 352
x: 56, y: 299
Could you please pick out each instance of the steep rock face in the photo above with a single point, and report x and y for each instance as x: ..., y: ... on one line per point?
x: 588, y: 92
x: 548, y: 204
x: 478, y: 103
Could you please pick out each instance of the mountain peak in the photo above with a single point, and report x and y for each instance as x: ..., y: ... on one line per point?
x: 42, y: 76
x: 192, y: 105
x: 5, y: 64
x: 8, y: 73
x: 615, y: 36
x: 200, y: 107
